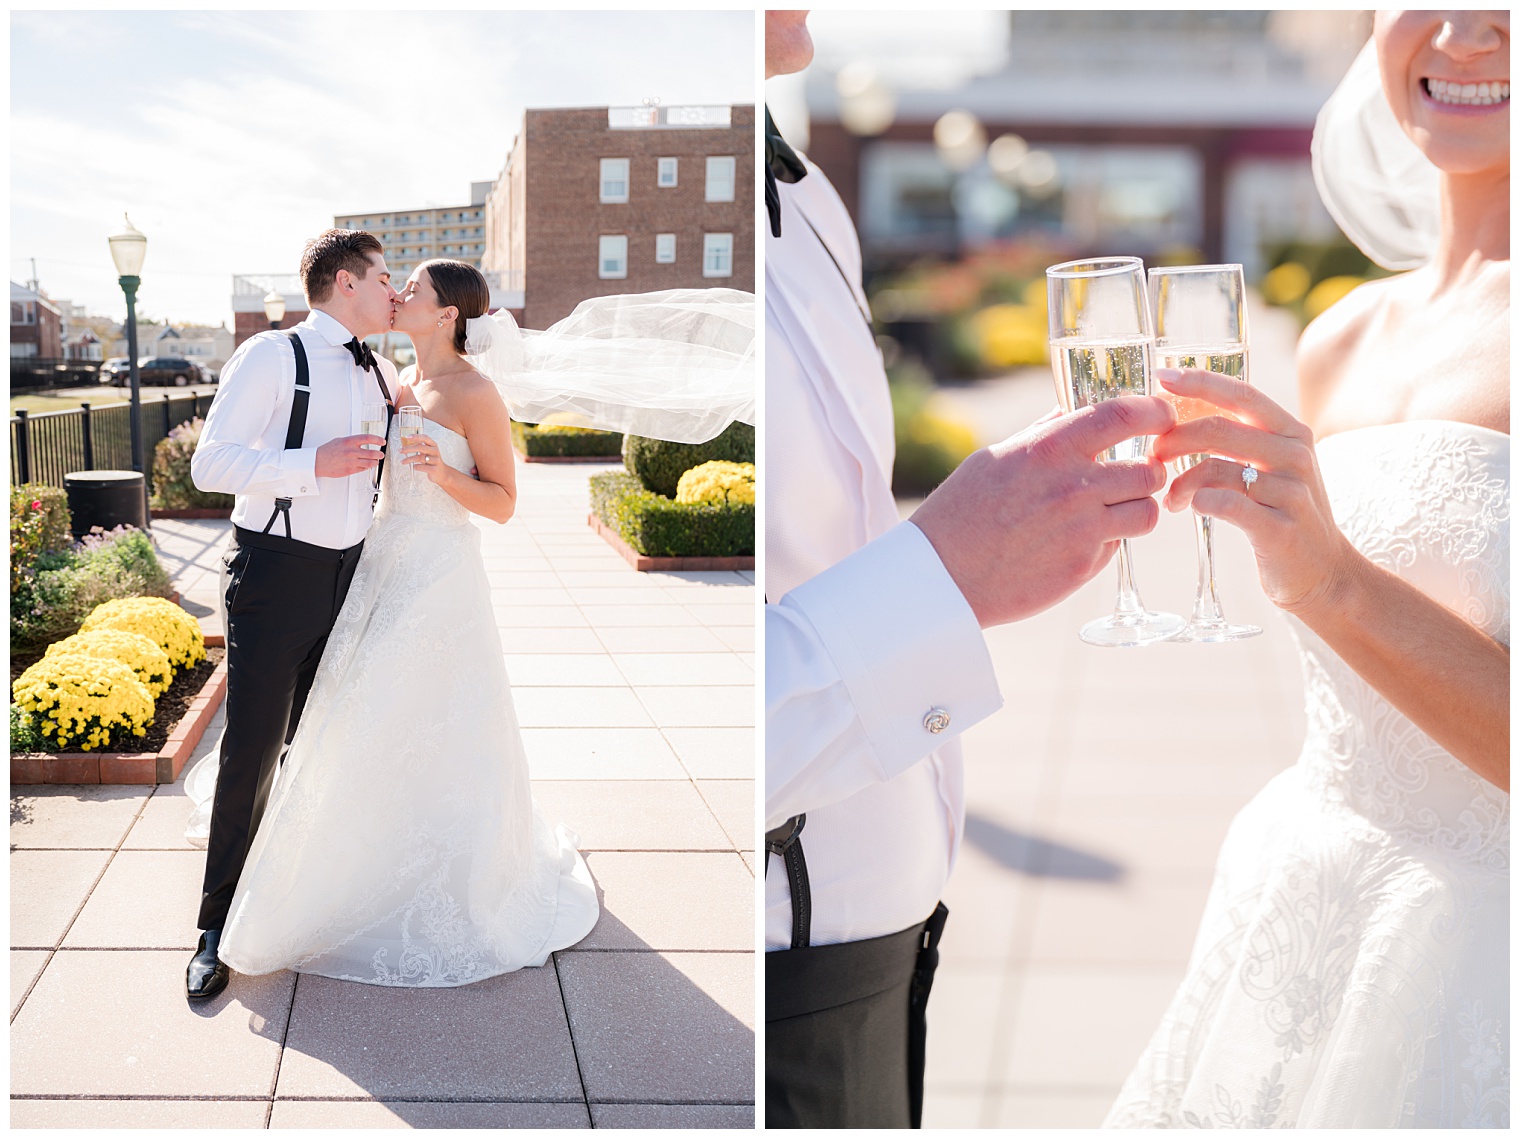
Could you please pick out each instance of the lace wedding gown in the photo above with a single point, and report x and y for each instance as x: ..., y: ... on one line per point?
x: 1352, y: 967
x: 401, y: 845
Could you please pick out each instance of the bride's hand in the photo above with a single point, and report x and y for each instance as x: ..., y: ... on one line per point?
x: 420, y: 452
x: 1301, y: 554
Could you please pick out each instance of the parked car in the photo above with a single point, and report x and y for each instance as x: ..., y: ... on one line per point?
x: 166, y: 370
x: 115, y: 372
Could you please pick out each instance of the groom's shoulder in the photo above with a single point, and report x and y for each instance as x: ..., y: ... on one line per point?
x: 263, y: 350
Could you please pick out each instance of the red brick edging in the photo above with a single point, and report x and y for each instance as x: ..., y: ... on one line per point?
x: 118, y: 767
x: 643, y: 562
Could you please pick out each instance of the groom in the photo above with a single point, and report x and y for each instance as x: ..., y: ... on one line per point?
x: 281, y: 436
x: 875, y: 659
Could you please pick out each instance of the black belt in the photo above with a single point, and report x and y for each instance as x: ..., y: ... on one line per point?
x: 294, y: 548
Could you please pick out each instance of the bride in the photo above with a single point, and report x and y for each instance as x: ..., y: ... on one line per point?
x: 1353, y: 961
x: 401, y: 845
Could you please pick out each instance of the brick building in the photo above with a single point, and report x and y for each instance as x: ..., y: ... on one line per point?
x: 248, y: 292
x: 601, y: 200
x: 36, y: 325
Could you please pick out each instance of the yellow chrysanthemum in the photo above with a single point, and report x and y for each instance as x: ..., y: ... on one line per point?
x: 138, y: 652
x: 83, y: 700
x: 718, y: 483
x: 174, y: 630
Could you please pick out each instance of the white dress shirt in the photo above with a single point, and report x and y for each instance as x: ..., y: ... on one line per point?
x: 242, y: 447
x: 869, y: 645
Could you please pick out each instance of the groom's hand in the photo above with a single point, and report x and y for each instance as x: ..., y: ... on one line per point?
x: 1021, y: 524
x: 351, y: 455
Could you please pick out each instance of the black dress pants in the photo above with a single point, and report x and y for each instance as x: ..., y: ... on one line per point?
x: 845, y: 1030
x: 281, y: 598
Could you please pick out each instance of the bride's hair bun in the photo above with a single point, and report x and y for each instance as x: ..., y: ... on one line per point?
x: 460, y: 284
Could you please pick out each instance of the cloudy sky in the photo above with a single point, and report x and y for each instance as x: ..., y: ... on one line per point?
x: 231, y: 137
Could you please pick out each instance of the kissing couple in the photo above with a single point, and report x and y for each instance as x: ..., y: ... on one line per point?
x: 368, y: 816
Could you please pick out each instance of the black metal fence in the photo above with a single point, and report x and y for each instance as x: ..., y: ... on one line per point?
x: 50, y: 444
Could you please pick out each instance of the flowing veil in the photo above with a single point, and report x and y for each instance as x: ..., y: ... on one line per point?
x: 676, y: 365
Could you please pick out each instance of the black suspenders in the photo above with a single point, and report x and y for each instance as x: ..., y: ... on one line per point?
x: 786, y: 842
x: 296, y: 431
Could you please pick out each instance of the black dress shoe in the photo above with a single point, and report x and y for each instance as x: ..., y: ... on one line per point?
x: 206, y: 975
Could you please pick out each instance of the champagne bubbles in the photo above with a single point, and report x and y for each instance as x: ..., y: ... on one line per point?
x: 866, y: 104
x: 960, y: 139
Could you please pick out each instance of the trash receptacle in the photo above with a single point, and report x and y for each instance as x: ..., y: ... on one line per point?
x: 107, y: 499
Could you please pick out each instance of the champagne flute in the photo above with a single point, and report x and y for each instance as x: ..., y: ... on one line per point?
x: 1100, y: 348
x: 1201, y: 323
x: 372, y: 422
x: 409, y: 423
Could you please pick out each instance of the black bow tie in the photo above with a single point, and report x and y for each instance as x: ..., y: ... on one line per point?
x: 362, y: 354
x: 781, y: 163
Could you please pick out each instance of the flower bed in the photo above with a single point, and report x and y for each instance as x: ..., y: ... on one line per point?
x: 656, y: 527
x: 549, y: 442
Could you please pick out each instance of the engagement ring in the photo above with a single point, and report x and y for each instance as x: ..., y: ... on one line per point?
x: 1248, y: 476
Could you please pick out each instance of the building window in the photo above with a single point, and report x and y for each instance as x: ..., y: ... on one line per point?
x: 614, y: 180
x: 720, y: 179
x: 665, y: 248
x: 612, y: 259
x: 717, y: 255
x: 667, y: 175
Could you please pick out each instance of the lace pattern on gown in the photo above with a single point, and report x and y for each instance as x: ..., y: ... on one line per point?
x: 401, y: 846
x: 1351, y: 967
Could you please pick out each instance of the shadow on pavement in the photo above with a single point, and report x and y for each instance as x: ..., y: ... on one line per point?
x: 1035, y: 856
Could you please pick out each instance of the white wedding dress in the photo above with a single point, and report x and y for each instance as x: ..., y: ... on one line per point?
x: 401, y: 845
x: 1352, y: 967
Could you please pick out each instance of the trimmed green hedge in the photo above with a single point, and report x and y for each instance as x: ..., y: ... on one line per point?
x: 659, y: 465
x: 662, y: 528
x: 556, y: 441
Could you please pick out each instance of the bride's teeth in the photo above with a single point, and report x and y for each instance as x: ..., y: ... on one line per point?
x: 1467, y: 94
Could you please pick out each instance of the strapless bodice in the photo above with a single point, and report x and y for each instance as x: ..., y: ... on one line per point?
x: 410, y: 493
x: 1428, y: 500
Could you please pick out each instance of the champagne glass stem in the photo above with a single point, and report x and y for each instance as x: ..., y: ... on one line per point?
x: 1206, y: 605
x: 1127, y: 605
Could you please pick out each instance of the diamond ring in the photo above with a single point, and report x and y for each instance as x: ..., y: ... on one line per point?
x: 1248, y: 476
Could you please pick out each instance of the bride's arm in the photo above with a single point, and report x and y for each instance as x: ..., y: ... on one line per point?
x: 489, y: 428
x: 1449, y: 678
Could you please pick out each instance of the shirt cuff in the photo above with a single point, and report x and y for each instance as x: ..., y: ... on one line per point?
x: 906, y: 644
x: 298, y: 468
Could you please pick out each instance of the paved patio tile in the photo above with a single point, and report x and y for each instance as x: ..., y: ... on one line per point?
x: 733, y: 801
x: 626, y: 814
x: 161, y: 826
x: 611, y: 616
x: 26, y: 964
x: 705, y: 901
x: 1054, y: 1108
x: 580, y: 708
x: 530, y: 595
x: 740, y: 638
x: 47, y: 889
x: 632, y: 639
x: 536, y: 670
x: 1084, y: 1023
x: 600, y: 753
x: 684, y: 669
x: 954, y: 1108
x: 148, y: 899
x: 501, y: 1038
x: 525, y: 640
x: 507, y: 582
x: 106, y: 1023
x: 989, y: 913
x: 663, y: 1026
x: 151, y: 1114
x: 539, y: 617
x: 715, y: 753
x: 667, y: 1116
x: 1157, y: 914
x: 631, y: 593
x: 685, y: 579
x: 722, y: 614
x: 728, y: 593
x: 73, y: 816
x: 725, y: 706
x: 578, y: 575
x: 371, y: 1114
x: 970, y: 999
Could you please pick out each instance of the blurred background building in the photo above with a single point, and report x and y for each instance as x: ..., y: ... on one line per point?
x: 414, y: 235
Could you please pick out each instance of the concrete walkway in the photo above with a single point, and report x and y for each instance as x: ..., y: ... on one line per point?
x: 1096, y: 803
x: 636, y: 695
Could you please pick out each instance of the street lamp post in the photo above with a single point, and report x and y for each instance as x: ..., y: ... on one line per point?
x: 274, y: 307
x: 128, y: 248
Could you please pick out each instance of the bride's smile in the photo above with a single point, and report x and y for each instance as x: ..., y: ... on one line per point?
x: 1446, y: 75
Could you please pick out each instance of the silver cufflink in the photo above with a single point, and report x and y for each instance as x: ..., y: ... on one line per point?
x: 937, y: 720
